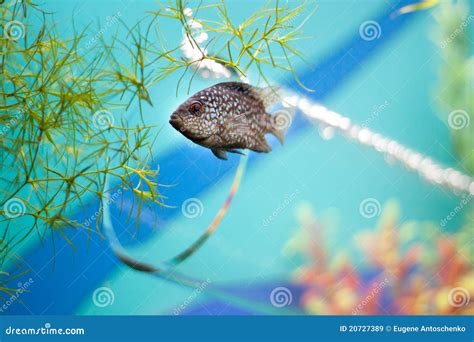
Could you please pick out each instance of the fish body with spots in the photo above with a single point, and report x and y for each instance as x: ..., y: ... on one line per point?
x: 228, y: 117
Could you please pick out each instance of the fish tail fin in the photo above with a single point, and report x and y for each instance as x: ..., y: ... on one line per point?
x: 280, y: 122
x: 280, y: 135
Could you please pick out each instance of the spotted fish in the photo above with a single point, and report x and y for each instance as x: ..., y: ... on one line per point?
x: 229, y: 117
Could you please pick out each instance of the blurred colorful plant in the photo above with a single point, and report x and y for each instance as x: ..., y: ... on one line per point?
x: 397, y: 268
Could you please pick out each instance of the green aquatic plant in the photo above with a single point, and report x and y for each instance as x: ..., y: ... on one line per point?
x: 67, y: 102
x: 265, y: 38
x: 64, y: 133
x: 453, y: 35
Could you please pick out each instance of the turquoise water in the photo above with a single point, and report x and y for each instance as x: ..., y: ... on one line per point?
x: 333, y: 174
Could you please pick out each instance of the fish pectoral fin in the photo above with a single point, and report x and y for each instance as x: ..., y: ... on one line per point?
x: 221, y: 154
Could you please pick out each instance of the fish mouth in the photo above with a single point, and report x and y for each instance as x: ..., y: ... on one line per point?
x: 176, y: 121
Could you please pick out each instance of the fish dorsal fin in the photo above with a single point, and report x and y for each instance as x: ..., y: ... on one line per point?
x: 243, y: 88
x: 268, y: 95
x: 237, y: 86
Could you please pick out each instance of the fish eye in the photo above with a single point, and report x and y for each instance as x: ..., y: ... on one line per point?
x: 196, y: 107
